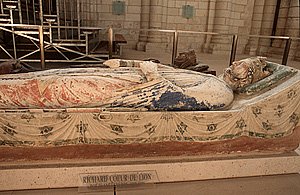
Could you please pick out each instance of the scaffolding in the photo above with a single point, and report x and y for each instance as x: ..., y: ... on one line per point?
x: 28, y: 27
x: 37, y: 12
x: 33, y: 30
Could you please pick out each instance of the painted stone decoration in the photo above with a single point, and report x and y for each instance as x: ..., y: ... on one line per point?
x: 72, y: 111
x: 252, y: 75
x: 127, y: 84
x: 245, y: 72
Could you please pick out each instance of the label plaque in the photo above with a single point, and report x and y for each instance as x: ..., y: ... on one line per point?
x: 118, y: 178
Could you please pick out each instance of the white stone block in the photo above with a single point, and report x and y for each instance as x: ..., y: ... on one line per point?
x: 157, y: 10
x: 134, y: 2
x: 220, y: 28
x: 156, y: 25
x: 259, y: 2
x: 239, y: 23
x: 194, y: 4
x: 268, y: 17
x: 132, y: 17
x: 256, y: 24
x: 270, y: 9
x: 173, y: 11
x: 171, y: 3
x: 236, y: 15
x: 281, y: 23
x: 243, y: 2
x: 223, y: 13
x: 294, y: 12
x: 171, y: 25
x: 272, y: 2
x: 238, y: 8
x: 203, y: 5
x: 220, y: 21
x: 170, y: 19
x: 259, y: 9
x: 107, y: 2
x: 180, y: 3
x: 221, y: 5
x: 104, y: 8
x: 201, y: 13
x: 234, y: 29
x: 283, y: 13
x: 133, y: 9
x: 257, y: 16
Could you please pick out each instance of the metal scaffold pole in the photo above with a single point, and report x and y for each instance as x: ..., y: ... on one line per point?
x: 286, y: 51
x: 13, y: 29
x: 41, y: 13
x: 233, y: 48
x: 175, y: 46
x: 42, y: 50
x: 110, y: 42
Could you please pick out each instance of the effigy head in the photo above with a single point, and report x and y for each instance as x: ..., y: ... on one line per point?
x: 245, y: 72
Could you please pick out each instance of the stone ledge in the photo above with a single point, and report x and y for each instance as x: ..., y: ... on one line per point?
x: 60, y: 175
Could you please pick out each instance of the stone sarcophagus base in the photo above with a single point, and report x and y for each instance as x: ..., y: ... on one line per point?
x: 244, y: 146
x: 264, y: 122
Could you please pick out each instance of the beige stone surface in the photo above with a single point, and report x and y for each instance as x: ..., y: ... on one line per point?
x: 221, y: 16
x: 58, y: 175
x: 275, y: 185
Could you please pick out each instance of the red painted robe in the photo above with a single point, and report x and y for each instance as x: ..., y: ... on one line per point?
x: 147, y: 87
x: 59, y: 88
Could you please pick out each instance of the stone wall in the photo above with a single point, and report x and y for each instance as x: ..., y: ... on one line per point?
x: 98, y: 13
x: 198, y: 22
x: 287, y: 25
x: 222, y: 16
x: 232, y: 17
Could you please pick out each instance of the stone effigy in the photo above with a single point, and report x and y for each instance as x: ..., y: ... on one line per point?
x: 136, y: 85
x: 270, y: 110
x: 252, y: 75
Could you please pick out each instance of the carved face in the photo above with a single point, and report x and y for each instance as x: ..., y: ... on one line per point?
x: 245, y: 72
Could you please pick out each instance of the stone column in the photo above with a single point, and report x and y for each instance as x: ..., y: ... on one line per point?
x: 296, y: 55
x: 222, y: 44
x: 247, y: 17
x: 293, y: 25
x: 211, y: 9
x: 266, y: 27
x: 256, y: 26
x: 145, y: 19
x: 287, y: 25
x: 156, y: 22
